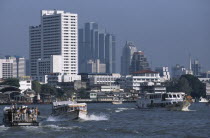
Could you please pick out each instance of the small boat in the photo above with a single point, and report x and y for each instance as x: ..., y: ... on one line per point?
x: 117, y: 101
x: 203, y: 100
x: 20, y: 116
x: 172, y: 101
x: 69, y: 109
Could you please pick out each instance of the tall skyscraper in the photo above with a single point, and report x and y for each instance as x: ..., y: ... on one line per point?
x: 139, y: 62
x: 35, y: 48
x: 96, y: 44
x: 88, y: 45
x: 57, y: 35
x: 110, y: 59
x: 126, y: 57
x: 196, y: 68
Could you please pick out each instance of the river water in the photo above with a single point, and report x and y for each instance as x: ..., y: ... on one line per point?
x: 107, y: 120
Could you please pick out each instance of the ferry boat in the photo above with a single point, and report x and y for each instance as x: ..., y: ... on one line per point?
x: 69, y: 109
x: 172, y: 101
x: 20, y: 116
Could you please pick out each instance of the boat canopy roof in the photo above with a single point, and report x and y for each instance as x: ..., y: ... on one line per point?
x: 68, y: 103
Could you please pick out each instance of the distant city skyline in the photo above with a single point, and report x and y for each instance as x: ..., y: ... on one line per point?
x: 167, y: 31
x: 96, y: 44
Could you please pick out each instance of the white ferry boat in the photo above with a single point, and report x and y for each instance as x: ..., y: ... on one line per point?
x: 20, y: 116
x: 70, y: 109
x: 172, y: 100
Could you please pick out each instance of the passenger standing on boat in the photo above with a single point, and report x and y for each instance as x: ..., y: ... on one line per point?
x: 22, y: 113
x: 28, y: 112
x: 32, y: 114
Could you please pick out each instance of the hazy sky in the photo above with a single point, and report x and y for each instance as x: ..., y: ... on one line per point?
x: 166, y: 30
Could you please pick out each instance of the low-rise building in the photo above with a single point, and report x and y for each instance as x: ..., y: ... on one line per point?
x: 164, y: 73
x: 113, y: 88
x: 106, y: 79
x: 208, y: 90
x: 152, y: 87
x: 96, y: 66
x: 135, y: 80
x: 25, y: 85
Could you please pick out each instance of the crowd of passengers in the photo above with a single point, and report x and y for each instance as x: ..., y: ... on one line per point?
x: 22, y: 113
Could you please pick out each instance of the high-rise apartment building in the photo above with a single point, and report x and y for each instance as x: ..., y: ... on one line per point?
x: 96, y: 44
x: 57, y: 35
x: 126, y: 57
x: 139, y: 62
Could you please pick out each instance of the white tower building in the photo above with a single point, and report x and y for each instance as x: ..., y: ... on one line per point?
x: 59, y: 36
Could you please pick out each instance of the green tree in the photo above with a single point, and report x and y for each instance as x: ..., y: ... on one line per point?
x: 36, y: 86
x: 83, y: 94
x: 47, y: 89
x: 189, y: 84
x: 198, y: 88
x: 59, y: 92
x: 11, y: 82
x: 172, y: 85
x: 184, y: 86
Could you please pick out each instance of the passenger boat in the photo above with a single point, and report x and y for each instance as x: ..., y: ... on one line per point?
x: 69, y: 109
x: 172, y: 101
x: 117, y: 101
x: 20, y: 116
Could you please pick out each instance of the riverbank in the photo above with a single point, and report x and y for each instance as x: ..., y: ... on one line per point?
x: 79, y: 101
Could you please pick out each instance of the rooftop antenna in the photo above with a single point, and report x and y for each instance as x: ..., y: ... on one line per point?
x: 190, y: 63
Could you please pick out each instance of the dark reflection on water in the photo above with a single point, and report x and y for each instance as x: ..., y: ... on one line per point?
x: 107, y: 120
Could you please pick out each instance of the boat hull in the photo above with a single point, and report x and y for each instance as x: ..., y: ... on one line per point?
x: 181, y: 106
x: 117, y: 102
x: 12, y: 124
x: 68, y: 115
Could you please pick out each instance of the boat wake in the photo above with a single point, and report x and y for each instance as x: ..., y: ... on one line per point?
x: 56, y: 118
x: 123, y: 109
x: 60, y: 127
x: 188, y: 110
x: 94, y: 117
x: 3, y: 128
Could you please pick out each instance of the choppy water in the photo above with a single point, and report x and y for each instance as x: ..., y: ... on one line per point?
x: 107, y: 120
